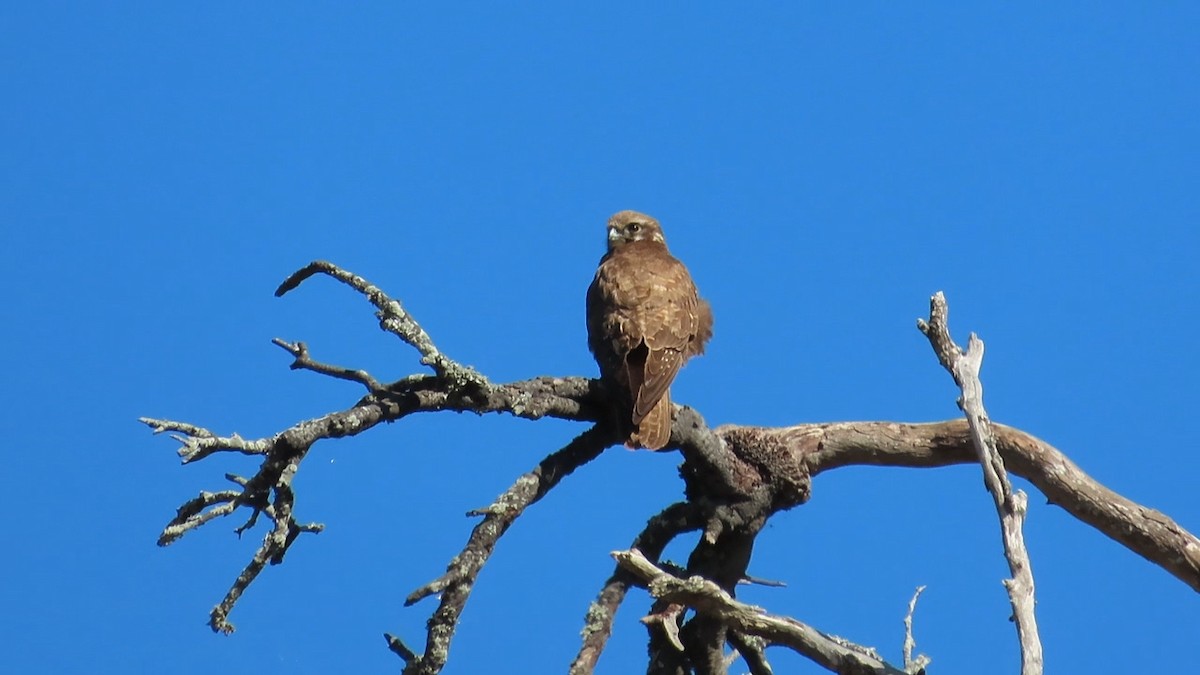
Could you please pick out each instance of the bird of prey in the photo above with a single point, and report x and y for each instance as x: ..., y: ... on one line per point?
x: 644, y: 319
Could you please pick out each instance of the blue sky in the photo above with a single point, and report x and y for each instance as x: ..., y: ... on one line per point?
x: 822, y: 170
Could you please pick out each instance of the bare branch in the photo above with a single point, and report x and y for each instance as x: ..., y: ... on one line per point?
x: 825, y: 447
x: 394, y: 319
x: 570, y: 398
x: 665, y: 621
x: 305, y: 362
x: 1011, y: 508
x: 706, y: 597
x: 913, y: 666
x: 757, y: 581
x: 722, y: 561
x: 736, y: 478
x: 192, y: 513
x: 813, y: 448
x: 397, y: 646
x: 752, y: 650
x: 198, y: 442
x: 276, y: 542
x: 456, y: 584
x: 563, y: 398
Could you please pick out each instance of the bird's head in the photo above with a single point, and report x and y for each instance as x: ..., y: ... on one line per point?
x: 630, y: 226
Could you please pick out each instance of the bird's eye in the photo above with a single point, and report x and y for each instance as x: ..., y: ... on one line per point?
x: 634, y: 227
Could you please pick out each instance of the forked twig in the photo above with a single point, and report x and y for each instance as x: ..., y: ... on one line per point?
x: 394, y: 319
x: 1010, y: 506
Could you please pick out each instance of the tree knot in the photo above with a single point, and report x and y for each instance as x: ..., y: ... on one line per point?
x: 786, y: 479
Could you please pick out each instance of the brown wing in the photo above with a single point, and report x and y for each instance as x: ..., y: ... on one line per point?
x: 611, y: 334
x: 666, y: 319
x: 658, y: 371
x: 644, y: 320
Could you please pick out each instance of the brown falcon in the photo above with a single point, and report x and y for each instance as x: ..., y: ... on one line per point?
x: 644, y: 320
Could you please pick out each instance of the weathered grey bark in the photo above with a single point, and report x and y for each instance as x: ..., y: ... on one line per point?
x: 714, y: 602
x: 1010, y: 506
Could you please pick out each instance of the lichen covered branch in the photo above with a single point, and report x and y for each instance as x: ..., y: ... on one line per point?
x: 569, y: 398
x: 196, y: 443
x: 707, y: 598
x: 269, y: 491
x: 456, y: 584
x: 305, y: 362
x: 736, y: 477
x: 659, y: 531
x: 394, y: 319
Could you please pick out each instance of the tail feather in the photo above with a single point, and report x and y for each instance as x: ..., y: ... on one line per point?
x: 654, y: 431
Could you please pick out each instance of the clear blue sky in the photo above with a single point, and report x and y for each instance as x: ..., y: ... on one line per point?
x: 821, y: 169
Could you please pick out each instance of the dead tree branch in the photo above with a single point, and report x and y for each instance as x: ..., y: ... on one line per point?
x: 394, y: 319
x: 305, y: 362
x: 660, y: 531
x: 735, y: 478
x: 456, y: 584
x: 913, y: 666
x: 752, y: 650
x: 270, y: 492
x: 196, y: 443
x: 707, y: 598
x: 825, y: 447
x: 1010, y: 506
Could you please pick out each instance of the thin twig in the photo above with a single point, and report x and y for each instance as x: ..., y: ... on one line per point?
x: 1011, y: 507
x: 394, y: 319
x: 196, y: 443
x: 397, y: 646
x: 305, y: 362
x: 192, y: 513
x: 913, y: 666
x: 565, y: 398
x: 268, y: 492
x: 758, y: 581
x: 275, y: 544
x: 752, y: 649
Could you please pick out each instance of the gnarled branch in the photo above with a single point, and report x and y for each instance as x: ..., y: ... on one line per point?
x: 825, y: 447
x: 709, y: 599
x: 456, y: 584
x: 736, y: 477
